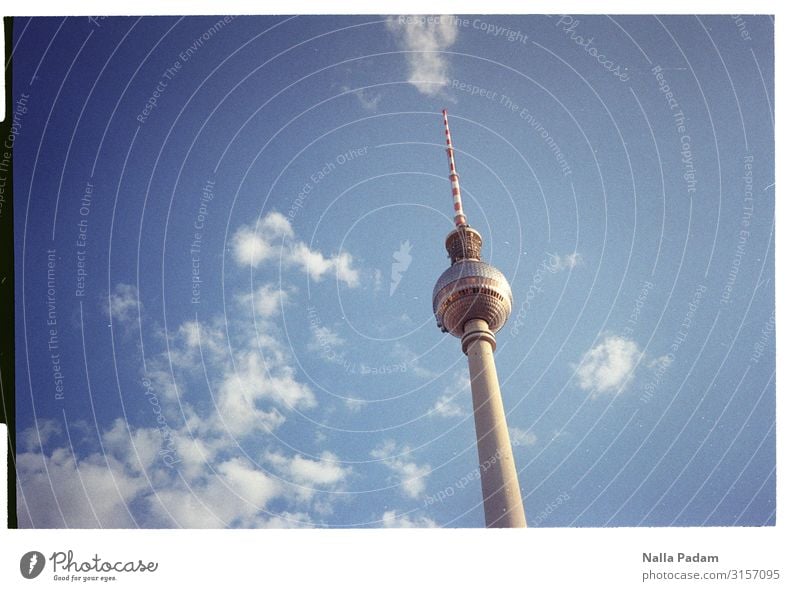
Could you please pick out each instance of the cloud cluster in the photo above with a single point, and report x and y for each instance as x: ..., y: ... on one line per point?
x: 122, y: 482
x: 217, y: 388
x: 272, y: 239
x: 425, y: 39
x: 398, y: 460
x: 59, y: 490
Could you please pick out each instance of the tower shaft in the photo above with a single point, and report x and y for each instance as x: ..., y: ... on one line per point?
x: 502, y: 498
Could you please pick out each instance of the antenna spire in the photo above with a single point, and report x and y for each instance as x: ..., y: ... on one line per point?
x: 459, y: 218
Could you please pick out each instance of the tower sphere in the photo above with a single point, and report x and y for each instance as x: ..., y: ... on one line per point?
x: 471, y: 289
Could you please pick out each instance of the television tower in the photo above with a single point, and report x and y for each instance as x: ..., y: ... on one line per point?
x: 472, y: 301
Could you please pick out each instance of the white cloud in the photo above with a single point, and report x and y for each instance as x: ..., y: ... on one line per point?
x: 308, y: 474
x: 425, y: 40
x: 57, y: 490
x: 287, y: 520
x: 369, y: 100
x: 392, y: 519
x: 406, y: 357
x: 190, y: 338
x: 377, y: 281
x: 245, y: 388
x: 276, y: 224
x: 196, y: 334
x: 325, y: 471
x: 272, y: 239
x: 312, y: 261
x: 253, y: 243
x: 197, y: 453
x: 447, y: 404
x: 561, y: 262
x: 317, y: 265
x: 250, y: 248
x: 36, y: 437
x: 522, y: 437
x: 202, y: 407
x: 136, y: 449
x: 234, y: 496
x: 324, y: 339
x: 265, y: 301
x: 662, y: 362
x: 609, y: 366
x: 445, y: 407
x: 210, y: 488
x: 355, y: 404
x: 249, y: 377
x: 189, y: 508
x: 343, y: 263
x: 250, y: 484
x: 123, y: 303
x: 411, y: 475
x: 239, y: 416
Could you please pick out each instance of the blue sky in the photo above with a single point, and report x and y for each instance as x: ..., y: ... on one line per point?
x: 228, y: 231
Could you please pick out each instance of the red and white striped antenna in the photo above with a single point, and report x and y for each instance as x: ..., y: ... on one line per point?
x: 460, y: 218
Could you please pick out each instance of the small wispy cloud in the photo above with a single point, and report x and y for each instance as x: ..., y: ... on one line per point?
x: 35, y: 438
x: 377, y: 281
x: 404, y: 355
x: 663, y: 362
x: 123, y: 303
x: 522, y: 437
x: 425, y: 39
x: 323, y: 339
x: 397, y: 459
x: 447, y: 405
x: 393, y: 519
x: 355, y: 404
x: 369, y: 100
x: 562, y: 262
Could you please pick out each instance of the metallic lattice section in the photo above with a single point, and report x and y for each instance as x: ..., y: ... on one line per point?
x: 463, y: 243
x: 471, y: 289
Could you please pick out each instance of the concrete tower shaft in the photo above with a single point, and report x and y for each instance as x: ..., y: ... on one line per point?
x: 502, y: 498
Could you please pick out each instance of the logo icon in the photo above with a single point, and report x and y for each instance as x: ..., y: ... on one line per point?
x: 31, y: 564
x: 402, y: 258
